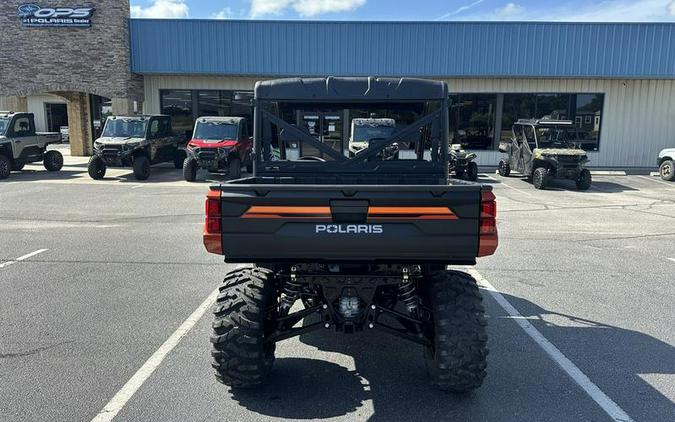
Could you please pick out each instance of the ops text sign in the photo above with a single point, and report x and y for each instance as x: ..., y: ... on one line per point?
x: 34, y: 16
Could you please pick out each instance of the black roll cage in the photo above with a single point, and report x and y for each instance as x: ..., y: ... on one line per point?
x: 360, y: 163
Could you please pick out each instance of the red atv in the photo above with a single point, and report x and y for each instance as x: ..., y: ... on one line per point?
x: 219, y: 144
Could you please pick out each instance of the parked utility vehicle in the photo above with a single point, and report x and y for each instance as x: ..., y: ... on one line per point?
x: 543, y: 150
x: 363, y: 131
x: 20, y: 144
x: 219, y: 144
x: 362, y: 242
x: 137, y: 142
x: 461, y: 164
x: 667, y: 164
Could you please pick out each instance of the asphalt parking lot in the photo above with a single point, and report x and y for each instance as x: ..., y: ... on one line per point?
x: 113, y: 274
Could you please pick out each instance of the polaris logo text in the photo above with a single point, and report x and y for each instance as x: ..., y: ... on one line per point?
x: 349, y: 228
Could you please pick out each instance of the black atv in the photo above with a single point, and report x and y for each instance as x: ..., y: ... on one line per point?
x: 351, y: 241
x: 461, y: 164
x: 137, y: 142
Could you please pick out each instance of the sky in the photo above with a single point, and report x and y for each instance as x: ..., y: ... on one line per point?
x: 415, y: 10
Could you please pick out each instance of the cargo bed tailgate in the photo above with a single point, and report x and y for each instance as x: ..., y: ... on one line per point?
x: 399, y: 223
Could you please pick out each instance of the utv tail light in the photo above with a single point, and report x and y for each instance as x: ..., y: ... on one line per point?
x: 213, y: 240
x: 488, y: 239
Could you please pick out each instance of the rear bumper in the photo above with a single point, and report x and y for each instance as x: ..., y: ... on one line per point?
x: 324, y: 251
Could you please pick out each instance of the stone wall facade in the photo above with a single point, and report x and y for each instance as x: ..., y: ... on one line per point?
x: 94, y: 60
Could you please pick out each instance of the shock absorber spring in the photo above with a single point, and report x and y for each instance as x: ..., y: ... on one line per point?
x: 407, y: 292
x: 292, y: 291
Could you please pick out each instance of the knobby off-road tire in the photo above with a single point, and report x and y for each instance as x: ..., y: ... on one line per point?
x: 667, y: 170
x: 5, y: 167
x: 241, y: 356
x: 472, y: 172
x: 179, y: 157
x: 234, y: 168
x: 96, y: 168
x: 584, y: 180
x: 53, y: 161
x: 141, y: 167
x: 190, y: 169
x: 540, y: 178
x: 458, y: 358
x: 504, y: 168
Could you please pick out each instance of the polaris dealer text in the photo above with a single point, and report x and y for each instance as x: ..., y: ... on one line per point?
x: 33, y: 15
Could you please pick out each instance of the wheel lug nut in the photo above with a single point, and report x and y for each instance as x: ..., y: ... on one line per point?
x: 371, y: 325
x: 327, y: 325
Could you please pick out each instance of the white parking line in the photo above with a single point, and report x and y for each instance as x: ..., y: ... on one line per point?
x: 516, y: 189
x: 671, y: 259
x: 657, y: 181
x: 22, y: 258
x: 612, y: 409
x: 120, y: 399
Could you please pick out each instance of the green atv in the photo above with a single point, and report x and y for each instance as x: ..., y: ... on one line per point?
x: 544, y: 150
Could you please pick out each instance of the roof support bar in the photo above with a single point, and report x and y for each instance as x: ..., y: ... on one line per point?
x: 304, y: 137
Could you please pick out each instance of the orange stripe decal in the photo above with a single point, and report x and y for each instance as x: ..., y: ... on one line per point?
x: 287, y: 212
x: 380, y: 213
x: 213, y: 194
x: 408, y: 213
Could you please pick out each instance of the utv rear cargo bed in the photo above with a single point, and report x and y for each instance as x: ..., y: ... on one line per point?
x: 350, y: 223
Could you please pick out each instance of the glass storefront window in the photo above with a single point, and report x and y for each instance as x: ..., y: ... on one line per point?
x: 241, y: 104
x: 585, y: 110
x: 588, y: 118
x: 535, y: 106
x: 179, y: 105
x: 472, y: 120
x: 185, y: 106
x: 213, y: 103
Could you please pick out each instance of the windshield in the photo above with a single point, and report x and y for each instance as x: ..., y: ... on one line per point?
x: 3, y: 125
x: 556, y: 136
x: 125, y: 128
x: 216, y: 131
x: 367, y: 133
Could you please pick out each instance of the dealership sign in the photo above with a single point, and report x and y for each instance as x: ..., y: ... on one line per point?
x: 34, y: 16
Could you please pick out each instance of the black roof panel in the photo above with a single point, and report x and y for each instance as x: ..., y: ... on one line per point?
x: 351, y: 89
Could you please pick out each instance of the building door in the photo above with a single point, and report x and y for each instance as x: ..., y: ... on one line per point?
x: 57, y: 116
x: 326, y: 127
x: 101, y: 109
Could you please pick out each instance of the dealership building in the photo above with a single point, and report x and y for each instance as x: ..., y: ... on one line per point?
x: 73, y: 67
